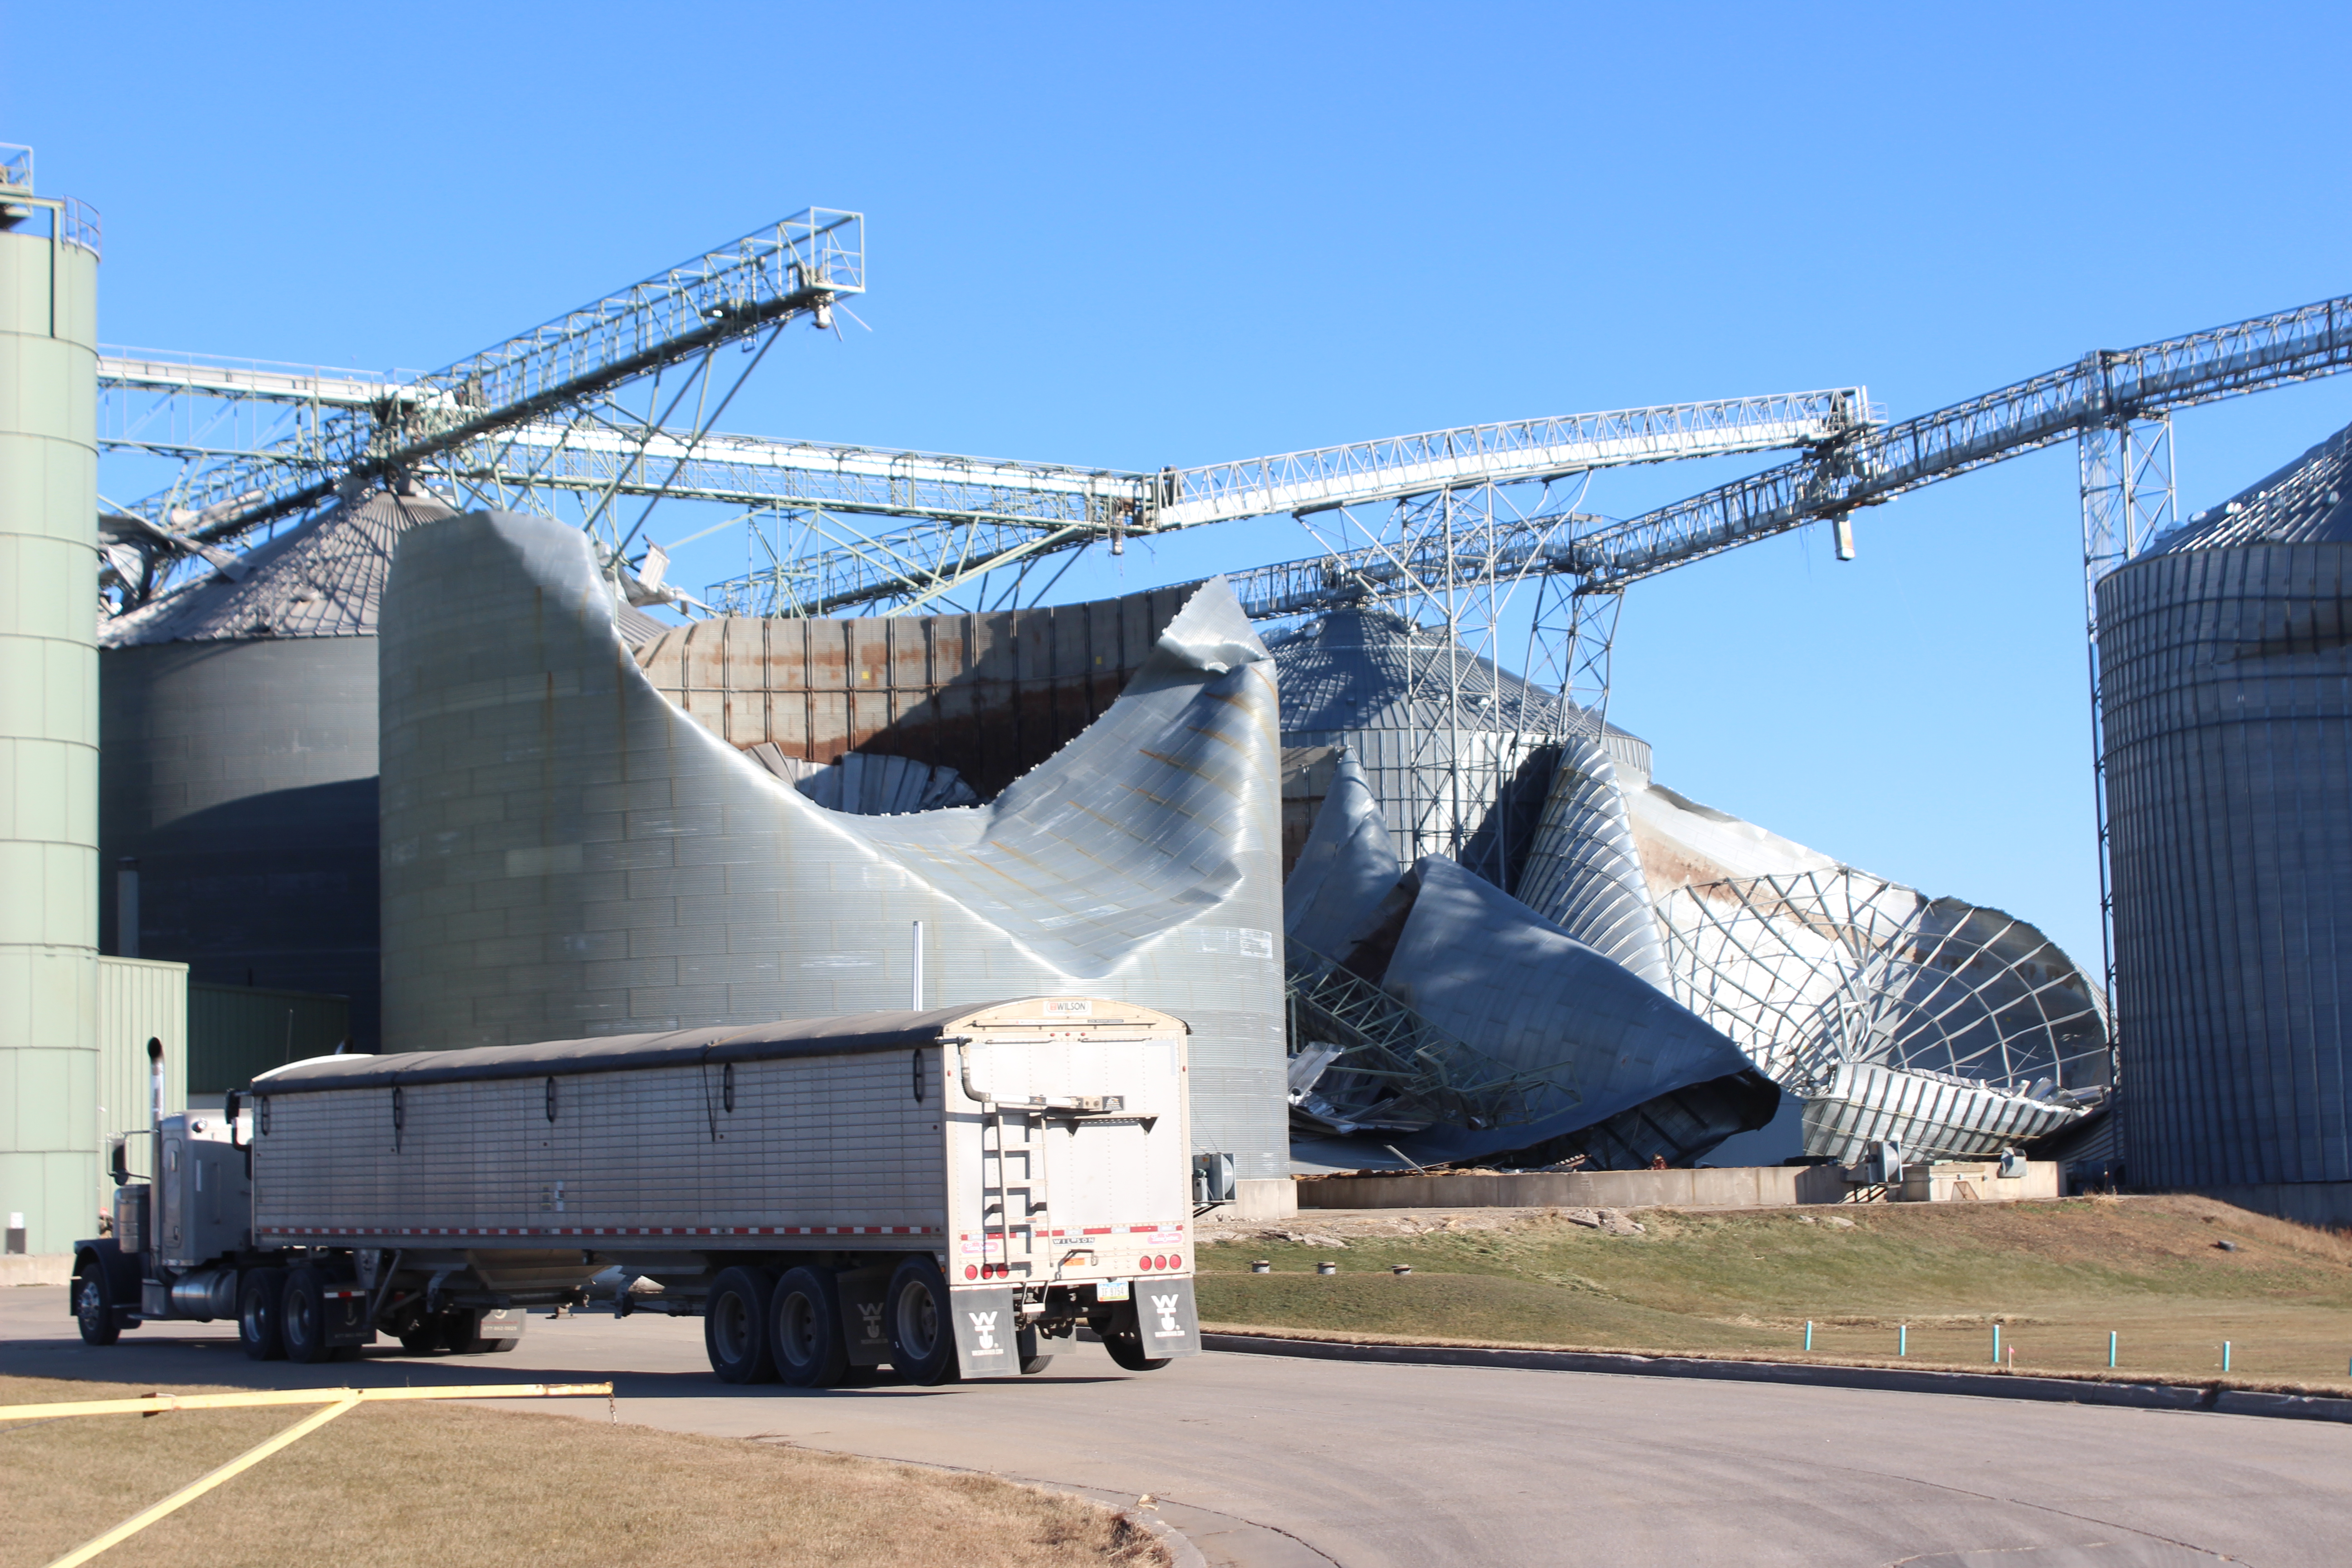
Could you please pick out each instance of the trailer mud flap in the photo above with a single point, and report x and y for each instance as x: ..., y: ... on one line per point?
x: 984, y: 1327
x: 862, y: 1292
x: 345, y: 1308
x: 1164, y: 1312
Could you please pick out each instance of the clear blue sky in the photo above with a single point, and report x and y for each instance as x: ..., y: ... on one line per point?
x: 1133, y: 236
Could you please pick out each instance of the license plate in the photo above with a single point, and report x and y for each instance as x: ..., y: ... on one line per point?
x: 1110, y: 1291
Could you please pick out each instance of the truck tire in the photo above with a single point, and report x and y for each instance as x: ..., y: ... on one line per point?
x: 919, y: 1315
x: 804, y: 1329
x: 735, y: 1327
x: 260, y: 1305
x: 1122, y: 1335
x: 422, y: 1335
x: 1024, y: 1349
x: 303, y: 1322
x: 94, y: 1304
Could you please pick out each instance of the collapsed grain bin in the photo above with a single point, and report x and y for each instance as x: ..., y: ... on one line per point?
x: 575, y: 845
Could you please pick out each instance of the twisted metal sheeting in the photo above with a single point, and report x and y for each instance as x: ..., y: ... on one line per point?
x: 1584, y: 872
x: 1820, y: 972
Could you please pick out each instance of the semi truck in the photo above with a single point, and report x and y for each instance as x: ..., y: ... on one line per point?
x: 947, y: 1194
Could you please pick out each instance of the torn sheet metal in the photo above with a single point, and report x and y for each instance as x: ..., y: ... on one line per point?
x: 1583, y: 869
x: 1344, y: 886
x: 1824, y: 971
x: 567, y: 852
x: 1483, y: 967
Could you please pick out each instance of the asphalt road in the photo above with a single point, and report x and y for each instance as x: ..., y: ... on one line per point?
x: 1375, y: 1464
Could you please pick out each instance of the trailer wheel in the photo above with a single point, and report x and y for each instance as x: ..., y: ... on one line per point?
x: 423, y: 1335
x: 260, y: 1302
x: 302, y: 1324
x: 94, y: 1304
x: 922, y: 1332
x: 1122, y: 1335
x: 804, y: 1329
x: 1025, y: 1347
x: 735, y: 1327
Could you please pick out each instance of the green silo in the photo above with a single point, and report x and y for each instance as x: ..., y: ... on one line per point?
x: 50, y: 1132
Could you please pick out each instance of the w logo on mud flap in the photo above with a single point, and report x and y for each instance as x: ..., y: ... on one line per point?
x: 983, y: 1330
x: 871, y: 1312
x: 1166, y: 1306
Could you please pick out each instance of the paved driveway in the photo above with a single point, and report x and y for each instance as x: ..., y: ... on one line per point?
x: 1405, y: 1466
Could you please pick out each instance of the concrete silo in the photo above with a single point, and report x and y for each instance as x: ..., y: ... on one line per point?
x: 48, y: 711
x: 2226, y: 659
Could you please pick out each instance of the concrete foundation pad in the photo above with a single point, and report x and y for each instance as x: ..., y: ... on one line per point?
x: 1743, y: 1186
x: 36, y: 1268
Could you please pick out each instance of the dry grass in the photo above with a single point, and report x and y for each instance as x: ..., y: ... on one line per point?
x: 2057, y: 1277
x: 399, y: 1484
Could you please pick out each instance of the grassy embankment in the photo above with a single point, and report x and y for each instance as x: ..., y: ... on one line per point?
x: 2056, y: 1275
x: 395, y: 1484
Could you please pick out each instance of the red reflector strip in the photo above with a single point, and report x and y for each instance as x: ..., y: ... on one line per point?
x: 602, y: 1230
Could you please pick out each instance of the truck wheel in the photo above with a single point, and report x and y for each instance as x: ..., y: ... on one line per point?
x: 1025, y: 1347
x: 1123, y: 1337
x: 260, y: 1300
x: 94, y: 1305
x: 422, y: 1334
x: 922, y: 1332
x: 302, y: 1324
x: 735, y: 1327
x: 804, y: 1329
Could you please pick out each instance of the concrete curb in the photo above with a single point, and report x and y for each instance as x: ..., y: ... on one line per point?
x: 1983, y: 1385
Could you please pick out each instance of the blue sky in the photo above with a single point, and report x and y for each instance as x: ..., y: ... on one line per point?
x: 1136, y: 236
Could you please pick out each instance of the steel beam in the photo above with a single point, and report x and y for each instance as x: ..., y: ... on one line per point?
x: 796, y: 268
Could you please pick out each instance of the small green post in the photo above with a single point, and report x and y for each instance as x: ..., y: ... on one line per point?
x: 2111, y: 1350
x: 1996, y: 1344
x: 1903, y: 1339
x: 2225, y: 1355
x: 1809, y: 1336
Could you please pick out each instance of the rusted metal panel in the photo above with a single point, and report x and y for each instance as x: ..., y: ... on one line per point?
x: 990, y: 695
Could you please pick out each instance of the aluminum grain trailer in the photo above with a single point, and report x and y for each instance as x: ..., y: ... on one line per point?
x: 949, y: 1193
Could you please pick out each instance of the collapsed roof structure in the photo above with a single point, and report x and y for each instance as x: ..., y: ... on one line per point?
x: 1604, y: 908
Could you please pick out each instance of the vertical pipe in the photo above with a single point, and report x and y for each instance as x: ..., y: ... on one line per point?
x: 918, y: 1003
x: 1903, y: 1339
x: 1996, y: 1344
x: 1809, y: 1335
x: 126, y: 907
x: 2225, y: 1355
x: 2111, y: 1350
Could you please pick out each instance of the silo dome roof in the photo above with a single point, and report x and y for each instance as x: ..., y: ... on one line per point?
x: 1360, y: 668
x: 2309, y: 501
x: 322, y: 579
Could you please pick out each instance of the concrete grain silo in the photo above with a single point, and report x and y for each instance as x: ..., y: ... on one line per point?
x: 2226, y: 659
x: 48, y: 713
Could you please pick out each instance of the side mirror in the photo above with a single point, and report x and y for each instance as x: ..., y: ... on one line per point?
x: 118, y: 1161
x: 228, y: 1114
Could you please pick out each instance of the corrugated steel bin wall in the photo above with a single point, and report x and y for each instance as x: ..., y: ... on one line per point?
x: 240, y: 774
x: 2228, y: 706
x: 566, y: 852
x: 236, y: 1031
x: 138, y: 1000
